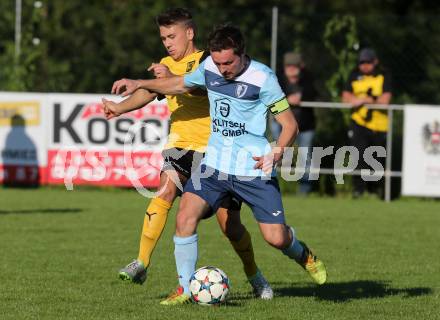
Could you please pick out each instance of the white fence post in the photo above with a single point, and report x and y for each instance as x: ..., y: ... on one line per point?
x: 388, y: 159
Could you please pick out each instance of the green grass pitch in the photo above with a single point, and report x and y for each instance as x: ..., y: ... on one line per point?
x: 60, y: 252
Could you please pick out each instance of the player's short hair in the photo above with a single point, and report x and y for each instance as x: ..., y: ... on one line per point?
x: 226, y: 36
x: 176, y: 15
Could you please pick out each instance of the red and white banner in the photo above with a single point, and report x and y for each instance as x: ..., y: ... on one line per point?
x: 74, y: 166
x: 65, y: 139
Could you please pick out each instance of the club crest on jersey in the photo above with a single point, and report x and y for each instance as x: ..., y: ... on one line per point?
x: 190, y: 65
x: 241, y: 89
x: 223, y: 107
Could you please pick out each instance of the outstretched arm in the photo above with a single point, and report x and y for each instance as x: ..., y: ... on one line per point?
x: 172, y: 85
x: 136, y: 101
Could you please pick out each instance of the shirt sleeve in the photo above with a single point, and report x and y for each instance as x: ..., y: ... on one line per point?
x: 195, y: 78
x: 272, y: 95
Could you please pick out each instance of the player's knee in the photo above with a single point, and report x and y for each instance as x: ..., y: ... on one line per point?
x: 277, y: 240
x: 185, y: 223
x: 169, y: 193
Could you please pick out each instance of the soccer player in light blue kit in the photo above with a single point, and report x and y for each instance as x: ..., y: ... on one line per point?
x: 239, y: 160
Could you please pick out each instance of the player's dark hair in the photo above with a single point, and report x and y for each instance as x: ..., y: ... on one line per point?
x: 226, y: 36
x: 176, y: 15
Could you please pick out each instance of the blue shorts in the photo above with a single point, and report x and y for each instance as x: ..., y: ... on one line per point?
x: 261, y: 195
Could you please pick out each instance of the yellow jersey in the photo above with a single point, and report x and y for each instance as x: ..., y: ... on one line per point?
x: 189, y: 120
x: 373, y: 85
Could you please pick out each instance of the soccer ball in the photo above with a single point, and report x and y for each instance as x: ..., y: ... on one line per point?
x: 209, y: 286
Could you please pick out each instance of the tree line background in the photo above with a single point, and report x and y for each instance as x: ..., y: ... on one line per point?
x: 79, y: 46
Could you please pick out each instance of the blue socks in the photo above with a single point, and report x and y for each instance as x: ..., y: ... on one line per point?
x: 295, y: 250
x: 185, y: 252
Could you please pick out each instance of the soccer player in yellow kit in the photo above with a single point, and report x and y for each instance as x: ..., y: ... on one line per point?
x: 189, y: 133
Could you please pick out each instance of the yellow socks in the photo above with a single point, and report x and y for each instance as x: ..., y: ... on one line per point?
x: 244, y: 249
x: 154, y: 223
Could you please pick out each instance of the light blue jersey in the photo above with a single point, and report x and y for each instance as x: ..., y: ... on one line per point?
x: 238, y: 110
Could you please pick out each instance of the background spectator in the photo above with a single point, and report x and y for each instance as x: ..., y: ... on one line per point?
x: 367, y: 84
x: 298, y: 86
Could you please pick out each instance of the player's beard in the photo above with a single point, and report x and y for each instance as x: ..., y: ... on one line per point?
x: 228, y: 76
